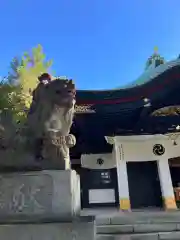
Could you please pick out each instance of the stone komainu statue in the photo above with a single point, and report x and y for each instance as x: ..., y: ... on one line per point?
x: 49, y: 124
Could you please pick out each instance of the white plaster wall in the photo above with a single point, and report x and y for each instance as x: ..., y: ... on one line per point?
x: 90, y: 161
x: 173, y: 151
x: 142, y: 150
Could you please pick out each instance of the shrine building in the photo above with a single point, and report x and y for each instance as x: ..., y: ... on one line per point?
x: 128, y: 141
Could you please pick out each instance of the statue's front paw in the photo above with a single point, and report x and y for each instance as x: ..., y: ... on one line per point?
x: 70, y: 140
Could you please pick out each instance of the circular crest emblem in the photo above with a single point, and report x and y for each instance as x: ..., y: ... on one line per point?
x: 158, y: 149
x: 100, y: 161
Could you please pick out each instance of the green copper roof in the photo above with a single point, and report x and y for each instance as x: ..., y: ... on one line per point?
x: 147, y: 76
x: 151, y: 73
x: 155, y: 66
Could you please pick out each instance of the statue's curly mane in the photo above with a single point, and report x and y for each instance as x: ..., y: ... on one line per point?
x: 56, y: 108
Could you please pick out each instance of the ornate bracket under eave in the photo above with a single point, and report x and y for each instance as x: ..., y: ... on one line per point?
x: 86, y: 108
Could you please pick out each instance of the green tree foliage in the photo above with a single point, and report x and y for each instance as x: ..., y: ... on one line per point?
x: 6, y: 103
x: 5, y: 90
x: 22, y: 79
x: 24, y: 72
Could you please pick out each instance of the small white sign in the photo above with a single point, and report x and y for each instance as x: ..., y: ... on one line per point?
x: 102, y: 196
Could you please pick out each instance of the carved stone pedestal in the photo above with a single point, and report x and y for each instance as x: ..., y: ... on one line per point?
x: 39, y: 195
x: 42, y: 205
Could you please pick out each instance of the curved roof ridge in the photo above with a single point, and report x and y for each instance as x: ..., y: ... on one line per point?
x: 145, y: 77
x: 150, y: 74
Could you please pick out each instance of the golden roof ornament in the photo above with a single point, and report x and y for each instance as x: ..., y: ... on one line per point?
x: 156, y: 50
x: 154, y: 59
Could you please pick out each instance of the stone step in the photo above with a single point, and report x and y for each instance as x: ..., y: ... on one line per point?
x: 138, y: 228
x: 136, y: 218
x: 141, y: 236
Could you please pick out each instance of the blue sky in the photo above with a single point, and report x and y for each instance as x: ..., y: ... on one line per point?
x: 100, y: 43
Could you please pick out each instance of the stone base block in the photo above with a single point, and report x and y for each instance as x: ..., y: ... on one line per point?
x: 35, y: 196
x: 52, y: 231
x: 125, y: 204
x: 169, y: 203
